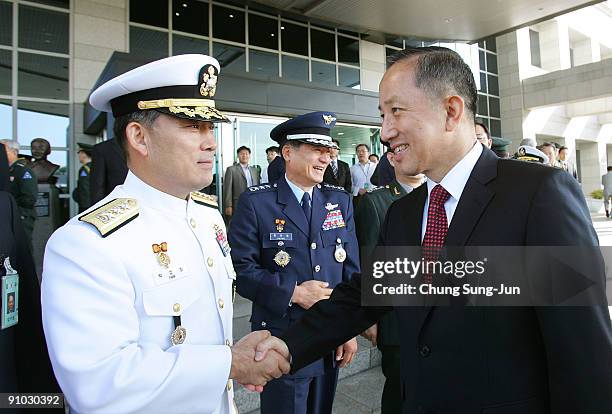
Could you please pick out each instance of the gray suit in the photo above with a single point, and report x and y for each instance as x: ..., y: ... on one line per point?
x: 235, y: 183
x: 606, y: 181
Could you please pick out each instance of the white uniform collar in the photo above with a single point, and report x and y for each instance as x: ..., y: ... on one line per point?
x: 152, y: 197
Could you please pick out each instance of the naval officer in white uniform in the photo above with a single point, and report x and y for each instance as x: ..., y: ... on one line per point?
x: 137, y: 292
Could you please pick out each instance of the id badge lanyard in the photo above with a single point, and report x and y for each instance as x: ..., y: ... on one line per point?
x: 10, y: 296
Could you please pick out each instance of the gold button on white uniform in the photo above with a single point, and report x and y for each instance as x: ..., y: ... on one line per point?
x: 313, y: 245
x: 192, y: 222
x: 210, y: 262
x: 227, y: 342
x: 176, y: 307
x: 229, y: 385
x: 221, y: 303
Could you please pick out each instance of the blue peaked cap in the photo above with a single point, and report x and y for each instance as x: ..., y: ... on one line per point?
x: 313, y: 128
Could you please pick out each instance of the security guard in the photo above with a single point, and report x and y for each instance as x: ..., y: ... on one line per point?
x: 82, y: 193
x: 23, y: 186
x: 137, y: 293
x: 293, y: 240
x: 369, y: 217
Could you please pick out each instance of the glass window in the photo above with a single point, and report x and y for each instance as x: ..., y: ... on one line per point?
x: 322, y: 45
x: 263, y: 31
x: 491, y: 63
x: 395, y: 41
x: 491, y: 44
x: 494, y: 107
x: 190, y: 16
x: 151, y: 12
x: 534, y: 45
x: 228, y: 24
x: 294, y: 38
x: 42, y: 29
x: 348, y: 32
x: 231, y: 58
x: 324, y: 73
x: 481, y: 60
x: 483, y: 82
x: 148, y: 44
x: 256, y: 136
x: 5, y: 72
x: 348, y: 50
x: 414, y: 43
x: 482, y: 105
x: 43, y: 76
x: 6, y: 23
x: 263, y: 63
x: 6, y: 119
x: 45, y: 120
x: 348, y: 77
x: 185, y: 44
x: 56, y: 3
x: 493, y: 85
x: 295, y: 68
x: 389, y: 53
x: 495, y: 128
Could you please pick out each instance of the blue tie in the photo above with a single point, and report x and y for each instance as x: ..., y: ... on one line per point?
x: 306, y: 206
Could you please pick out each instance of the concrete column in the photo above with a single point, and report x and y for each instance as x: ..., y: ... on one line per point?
x: 372, y: 65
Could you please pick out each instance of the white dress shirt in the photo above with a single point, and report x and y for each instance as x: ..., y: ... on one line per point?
x: 360, y: 176
x: 454, y: 182
x: 247, y: 173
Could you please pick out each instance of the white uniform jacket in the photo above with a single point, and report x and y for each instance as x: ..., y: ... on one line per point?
x: 108, y: 307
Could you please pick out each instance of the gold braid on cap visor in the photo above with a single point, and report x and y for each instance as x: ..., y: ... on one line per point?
x: 199, y: 107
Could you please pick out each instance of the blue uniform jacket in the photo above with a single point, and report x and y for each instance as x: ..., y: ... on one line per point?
x: 268, y: 220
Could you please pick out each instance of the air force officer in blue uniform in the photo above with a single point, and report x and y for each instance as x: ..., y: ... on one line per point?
x: 293, y: 240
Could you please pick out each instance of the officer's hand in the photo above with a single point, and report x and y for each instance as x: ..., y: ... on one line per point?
x: 228, y: 211
x: 310, y: 292
x: 346, y: 352
x: 371, y: 334
x: 246, y: 370
x: 270, y: 344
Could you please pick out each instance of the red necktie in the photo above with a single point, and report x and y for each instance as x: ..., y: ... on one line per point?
x: 437, y: 227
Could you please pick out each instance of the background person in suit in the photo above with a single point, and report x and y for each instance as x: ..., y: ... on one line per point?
x: 238, y: 178
x: 271, y: 154
x: 606, y: 181
x: 536, y: 360
x: 82, y: 192
x: 337, y: 172
x: 108, y: 169
x: 292, y: 242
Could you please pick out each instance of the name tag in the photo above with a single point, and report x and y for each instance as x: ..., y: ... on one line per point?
x: 281, y: 236
x: 166, y: 275
x: 10, y: 301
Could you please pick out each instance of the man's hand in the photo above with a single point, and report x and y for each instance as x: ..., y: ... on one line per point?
x: 247, y: 370
x: 346, y: 352
x: 310, y: 292
x: 228, y: 211
x: 270, y: 344
x: 371, y: 334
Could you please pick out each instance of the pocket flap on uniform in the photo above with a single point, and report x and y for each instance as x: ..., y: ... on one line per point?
x: 331, y: 237
x: 170, y: 299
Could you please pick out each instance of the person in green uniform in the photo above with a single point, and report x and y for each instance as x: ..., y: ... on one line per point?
x: 82, y: 193
x: 369, y: 217
x: 23, y: 186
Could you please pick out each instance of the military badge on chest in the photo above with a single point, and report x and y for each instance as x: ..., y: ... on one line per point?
x: 281, y: 258
x: 165, y: 273
x: 221, y: 239
x: 333, y: 219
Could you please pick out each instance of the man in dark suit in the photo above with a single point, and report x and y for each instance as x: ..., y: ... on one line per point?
x: 108, y: 169
x: 292, y: 242
x: 238, y: 178
x: 338, y: 172
x: 525, y: 360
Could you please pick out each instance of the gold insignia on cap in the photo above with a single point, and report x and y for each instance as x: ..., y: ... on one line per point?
x: 522, y: 151
x: 329, y: 119
x: 169, y: 103
x: 282, y: 258
x: 209, y: 75
x: 112, y: 215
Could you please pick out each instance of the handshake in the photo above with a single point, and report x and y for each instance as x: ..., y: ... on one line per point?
x: 260, y: 357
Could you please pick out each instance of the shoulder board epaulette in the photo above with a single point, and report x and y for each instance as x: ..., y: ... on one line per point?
x: 113, y: 215
x: 262, y: 187
x: 333, y: 187
x: 204, y: 199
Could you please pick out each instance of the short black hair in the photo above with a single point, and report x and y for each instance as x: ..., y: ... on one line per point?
x: 244, y: 147
x: 335, y: 141
x: 374, y: 155
x: 146, y: 117
x: 563, y: 148
x: 547, y: 144
x: 440, y: 71
x: 483, y: 126
x: 272, y: 148
x: 362, y: 145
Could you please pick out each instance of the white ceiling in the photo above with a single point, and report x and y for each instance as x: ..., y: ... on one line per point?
x: 466, y: 20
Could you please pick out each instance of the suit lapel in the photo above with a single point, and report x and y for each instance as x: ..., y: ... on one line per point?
x: 292, y: 208
x: 318, y: 212
x: 474, y: 200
